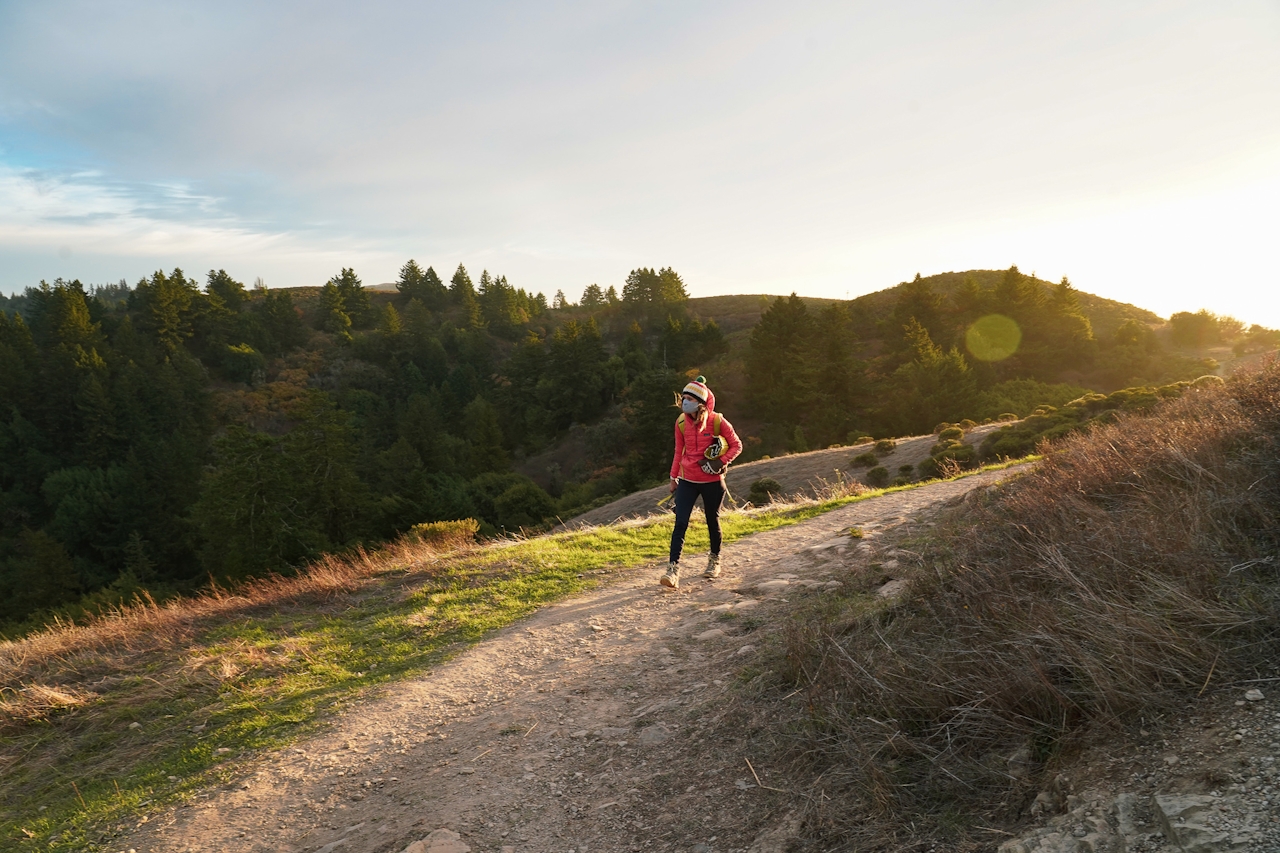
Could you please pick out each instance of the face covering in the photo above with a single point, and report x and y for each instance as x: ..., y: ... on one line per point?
x: 689, y: 406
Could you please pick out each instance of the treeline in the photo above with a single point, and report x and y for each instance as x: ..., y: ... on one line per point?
x: 154, y: 436
x: 976, y: 352
x: 158, y: 435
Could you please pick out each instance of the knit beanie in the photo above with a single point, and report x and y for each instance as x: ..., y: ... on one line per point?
x: 699, y: 389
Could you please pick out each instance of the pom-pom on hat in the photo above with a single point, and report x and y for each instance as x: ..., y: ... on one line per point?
x: 698, y: 388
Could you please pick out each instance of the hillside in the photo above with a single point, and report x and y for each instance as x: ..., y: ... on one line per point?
x: 1104, y: 315
x: 166, y: 433
x: 1081, y: 649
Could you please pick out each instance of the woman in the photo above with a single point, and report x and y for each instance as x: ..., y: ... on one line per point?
x: 705, y: 445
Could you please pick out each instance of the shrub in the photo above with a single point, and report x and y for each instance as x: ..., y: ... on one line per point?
x: 859, y: 438
x: 764, y: 491
x: 864, y: 460
x: 885, y: 446
x: 928, y: 469
x: 1048, y: 423
x: 899, y: 481
x: 446, y: 535
x: 243, y: 363
x: 906, y: 470
x: 967, y: 424
x: 878, y: 477
x: 954, y: 432
x: 523, y: 505
x: 1006, y: 416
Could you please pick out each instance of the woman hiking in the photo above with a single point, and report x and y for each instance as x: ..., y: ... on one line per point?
x: 705, y: 445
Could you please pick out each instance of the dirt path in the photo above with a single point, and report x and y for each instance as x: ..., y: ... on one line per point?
x: 579, y: 729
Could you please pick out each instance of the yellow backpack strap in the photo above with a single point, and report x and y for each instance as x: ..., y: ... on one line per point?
x: 680, y: 422
x: 715, y: 425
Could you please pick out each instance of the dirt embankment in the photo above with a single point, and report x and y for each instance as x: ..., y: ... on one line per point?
x: 798, y: 474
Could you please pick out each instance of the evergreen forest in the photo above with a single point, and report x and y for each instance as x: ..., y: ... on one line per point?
x: 157, y: 437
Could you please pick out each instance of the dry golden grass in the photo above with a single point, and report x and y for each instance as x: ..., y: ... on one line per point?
x: 1137, y: 564
x: 37, y: 672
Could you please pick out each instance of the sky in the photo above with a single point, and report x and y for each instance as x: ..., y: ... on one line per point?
x: 830, y: 149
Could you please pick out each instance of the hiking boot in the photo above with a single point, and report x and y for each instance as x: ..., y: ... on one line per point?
x: 713, y: 567
x: 671, y: 577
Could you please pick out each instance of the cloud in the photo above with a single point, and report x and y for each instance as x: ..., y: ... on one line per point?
x: 753, y: 146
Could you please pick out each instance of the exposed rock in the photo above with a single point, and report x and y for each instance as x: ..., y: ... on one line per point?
x: 713, y: 634
x: 1187, y: 821
x: 892, y: 588
x: 1254, y: 695
x: 773, y: 585
x: 651, y: 735
x: 439, y: 841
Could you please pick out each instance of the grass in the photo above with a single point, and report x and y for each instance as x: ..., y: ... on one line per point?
x: 104, y: 720
x: 1132, y: 569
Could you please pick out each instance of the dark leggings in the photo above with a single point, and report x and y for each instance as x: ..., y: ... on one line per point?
x: 686, y: 493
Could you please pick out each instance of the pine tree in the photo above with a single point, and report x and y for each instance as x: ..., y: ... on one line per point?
x: 333, y: 314
x: 355, y: 299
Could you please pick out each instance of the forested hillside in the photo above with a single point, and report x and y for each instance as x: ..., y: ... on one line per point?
x: 156, y: 436
x: 960, y: 345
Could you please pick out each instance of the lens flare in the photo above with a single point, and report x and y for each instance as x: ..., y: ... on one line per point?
x: 994, y: 337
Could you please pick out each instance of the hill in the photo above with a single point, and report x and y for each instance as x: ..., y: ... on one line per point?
x: 1104, y: 315
x: 1073, y: 653
x: 162, y: 434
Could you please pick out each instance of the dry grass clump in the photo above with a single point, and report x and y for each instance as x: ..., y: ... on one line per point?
x: 36, y: 671
x: 1134, y: 567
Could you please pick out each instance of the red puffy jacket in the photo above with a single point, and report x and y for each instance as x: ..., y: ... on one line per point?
x: 692, y: 441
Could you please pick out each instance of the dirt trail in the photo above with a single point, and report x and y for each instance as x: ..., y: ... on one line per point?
x: 579, y: 729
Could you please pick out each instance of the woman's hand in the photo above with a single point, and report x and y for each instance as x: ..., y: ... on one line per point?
x: 674, y: 481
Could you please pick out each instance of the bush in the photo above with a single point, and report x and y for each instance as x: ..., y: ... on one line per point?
x: 899, y: 481
x: 878, y: 477
x: 523, y: 505
x: 445, y: 535
x: 863, y: 460
x: 954, y: 432
x: 1048, y: 423
x: 885, y: 446
x: 243, y: 363
x: 859, y: 438
x: 1006, y: 416
x: 906, y: 470
x: 764, y: 491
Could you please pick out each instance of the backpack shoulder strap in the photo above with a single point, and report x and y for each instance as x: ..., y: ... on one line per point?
x: 715, y: 424
x: 680, y: 422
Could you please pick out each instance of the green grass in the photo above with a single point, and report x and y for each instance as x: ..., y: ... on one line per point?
x: 272, y: 675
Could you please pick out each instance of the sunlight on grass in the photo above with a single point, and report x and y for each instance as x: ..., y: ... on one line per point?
x: 270, y: 676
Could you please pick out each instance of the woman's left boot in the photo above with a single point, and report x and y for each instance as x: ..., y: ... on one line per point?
x: 713, y: 567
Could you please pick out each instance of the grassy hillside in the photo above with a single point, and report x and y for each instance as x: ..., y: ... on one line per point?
x: 1127, y: 573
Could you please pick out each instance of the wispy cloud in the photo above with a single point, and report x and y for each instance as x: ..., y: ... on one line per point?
x: 822, y: 147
